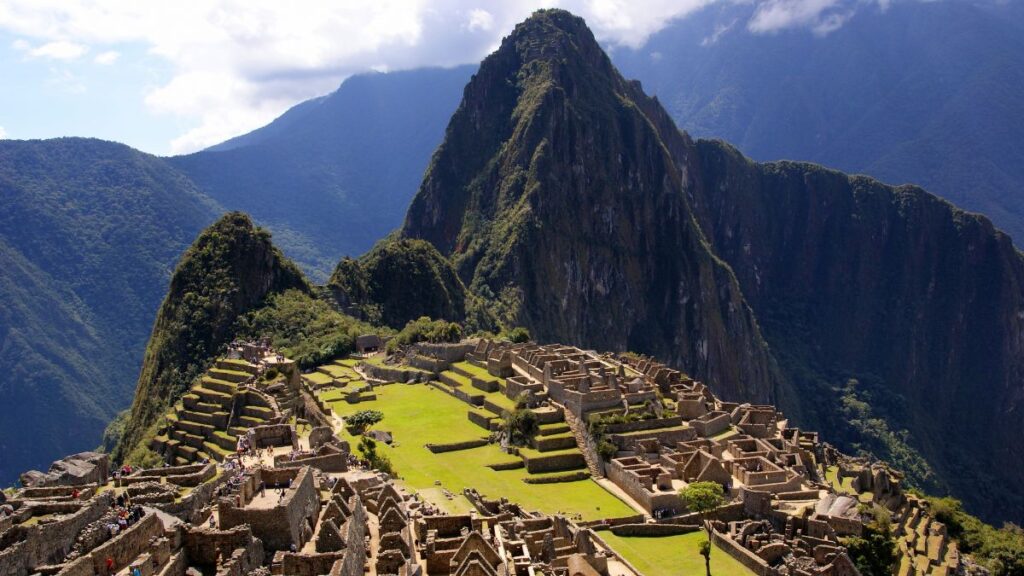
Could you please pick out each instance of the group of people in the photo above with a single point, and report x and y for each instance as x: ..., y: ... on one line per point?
x: 126, y: 514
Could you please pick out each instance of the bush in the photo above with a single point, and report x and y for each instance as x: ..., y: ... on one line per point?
x: 517, y: 335
x: 607, y: 450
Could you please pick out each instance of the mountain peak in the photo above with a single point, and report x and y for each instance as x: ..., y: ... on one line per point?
x: 552, y: 34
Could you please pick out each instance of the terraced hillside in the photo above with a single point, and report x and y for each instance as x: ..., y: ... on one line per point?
x: 216, y: 411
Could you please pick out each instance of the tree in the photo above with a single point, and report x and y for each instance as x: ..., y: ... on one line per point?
x: 363, y: 419
x: 522, y: 425
x: 703, y: 498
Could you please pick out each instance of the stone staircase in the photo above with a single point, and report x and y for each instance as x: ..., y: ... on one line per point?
x: 219, y: 408
x: 585, y: 443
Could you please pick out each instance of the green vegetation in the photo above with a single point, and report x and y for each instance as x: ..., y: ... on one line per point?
x: 671, y: 555
x: 417, y: 414
x: 1001, y: 550
x: 368, y: 448
x: 703, y: 498
x: 363, y: 419
x: 521, y: 425
x: 426, y: 330
x: 229, y: 270
x: 88, y: 232
x: 398, y: 281
x: 304, y: 328
x: 874, y: 552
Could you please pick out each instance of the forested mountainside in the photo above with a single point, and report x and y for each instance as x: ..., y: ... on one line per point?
x: 335, y: 174
x: 231, y: 269
x: 89, y: 232
x: 919, y: 92
x: 917, y: 301
x: 572, y: 203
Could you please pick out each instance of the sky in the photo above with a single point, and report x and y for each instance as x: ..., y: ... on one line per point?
x: 173, y: 77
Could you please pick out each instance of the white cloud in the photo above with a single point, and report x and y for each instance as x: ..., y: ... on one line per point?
x: 236, y: 64
x: 480, y: 20
x: 58, y: 50
x: 820, y: 16
x: 3, y: 133
x: 107, y: 58
x: 720, y: 30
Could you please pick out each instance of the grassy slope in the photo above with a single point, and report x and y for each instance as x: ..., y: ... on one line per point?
x: 418, y: 414
x: 672, y: 555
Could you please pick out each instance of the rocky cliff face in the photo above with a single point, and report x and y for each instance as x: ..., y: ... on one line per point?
x: 855, y: 279
x: 557, y: 199
x: 230, y: 269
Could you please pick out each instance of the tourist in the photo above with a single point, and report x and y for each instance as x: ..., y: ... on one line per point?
x: 212, y: 522
x: 110, y: 564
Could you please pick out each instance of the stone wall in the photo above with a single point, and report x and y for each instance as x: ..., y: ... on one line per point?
x: 641, y: 489
x: 653, y: 529
x: 447, y: 352
x: 309, y: 564
x: 204, y: 545
x: 123, y: 549
x: 24, y: 548
x: 456, y: 446
x: 754, y: 563
x: 394, y: 374
x: 643, y: 425
x: 273, y: 435
x: 280, y: 526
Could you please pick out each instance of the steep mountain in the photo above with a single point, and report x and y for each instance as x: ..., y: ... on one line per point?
x: 231, y: 269
x: 335, y: 174
x: 920, y: 302
x: 88, y: 236
x: 920, y: 92
x: 397, y: 281
x: 556, y: 195
x: 569, y: 201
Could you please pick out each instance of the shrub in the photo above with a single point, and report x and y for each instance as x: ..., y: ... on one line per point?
x: 607, y: 450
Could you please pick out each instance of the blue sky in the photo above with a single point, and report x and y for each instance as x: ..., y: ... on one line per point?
x: 172, y: 77
x: 50, y: 98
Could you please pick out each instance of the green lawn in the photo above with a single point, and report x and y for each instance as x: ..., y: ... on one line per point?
x: 844, y: 484
x: 673, y: 555
x: 475, y: 371
x: 317, y: 378
x: 419, y: 414
x: 340, y: 371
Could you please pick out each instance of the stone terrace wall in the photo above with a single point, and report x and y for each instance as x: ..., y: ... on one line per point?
x: 123, y: 548
x: 447, y: 352
x: 24, y: 548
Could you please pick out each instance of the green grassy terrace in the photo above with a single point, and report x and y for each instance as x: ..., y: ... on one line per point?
x: 419, y: 414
